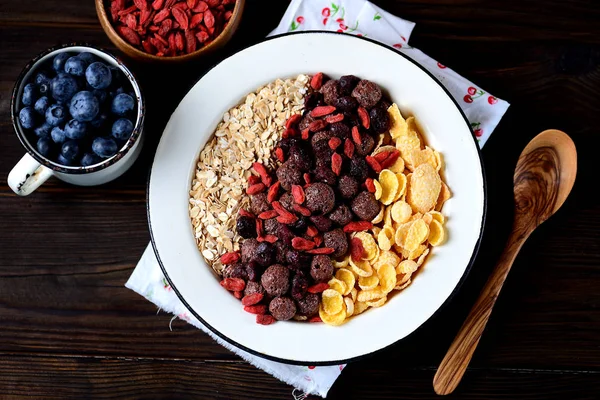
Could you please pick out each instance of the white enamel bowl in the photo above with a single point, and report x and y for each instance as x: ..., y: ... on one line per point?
x: 191, y: 125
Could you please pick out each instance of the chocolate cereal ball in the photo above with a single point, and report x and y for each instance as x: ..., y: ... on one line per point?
x: 337, y: 240
x: 321, y: 268
x: 280, y: 250
x: 359, y: 168
x: 366, y: 145
x: 282, y: 308
x: 259, y: 203
x: 341, y: 130
x: 289, y: 174
x: 324, y: 174
x: 367, y: 93
x: 348, y: 186
x: 320, y: 140
x: 365, y: 206
x: 300, y: 156
x: 276, y: 280
x: 299, y: 286
x: 309, y: 305
x: 253, y: 287
x: 298, y: 260
x: 320, y: 198
x: 287, y: 201
x: 248, y: 249
x: 331, y: 91
x: 271, y: 226
x: 341, y: 215
x: 321, y: 222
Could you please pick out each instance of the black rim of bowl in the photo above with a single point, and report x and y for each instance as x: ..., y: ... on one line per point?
x: 360, y: 357
x: 19, y: 131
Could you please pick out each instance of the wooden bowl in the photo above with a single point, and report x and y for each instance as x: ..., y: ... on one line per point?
x: 140, y: 55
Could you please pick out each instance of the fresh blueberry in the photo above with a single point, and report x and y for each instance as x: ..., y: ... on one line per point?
x: 75, y: 66
x: 58, y: 63
x: 98, y: 75
x: 63, y: 161
x: 122, y: 129
x: 90, y: 159
x: 44, y: 146
x: 99, y: 121
x: 64, y: 86
x: 42, y: 105
x: 101, y: 95
x: 30, y: 94
x: 84, y: 106
x: 27, y: 118
x: 56, y: 115
x: 58, y: 134
x: 104, y: 147
x: 69, y: 149
x: 118, y: 79
x: 44, y: 89
x: 87, y: 57
x: 122, y: 104
x: 43, y: 130
x: 75, y: 129
x: 42, y: 78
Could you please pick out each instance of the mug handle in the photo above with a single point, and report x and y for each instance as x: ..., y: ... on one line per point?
x: 27, y: 176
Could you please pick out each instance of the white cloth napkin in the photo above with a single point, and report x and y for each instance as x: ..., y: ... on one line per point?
x: 357, y: 17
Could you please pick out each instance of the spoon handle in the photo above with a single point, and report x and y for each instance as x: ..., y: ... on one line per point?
x: 455, y: 363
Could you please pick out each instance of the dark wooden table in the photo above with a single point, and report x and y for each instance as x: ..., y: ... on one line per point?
x: 69, y: 328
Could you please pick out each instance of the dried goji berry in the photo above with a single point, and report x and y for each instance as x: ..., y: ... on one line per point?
x: 317, y: 125
x: 260, y: 169
x: 259, y: 227
x: 230, y: 258
x: 268, y: 238
x: 382, y: 156
x: 161, y: 16
x: 299, y: 243
x: 227, y: 15
x: 357, y: 250
x: 273, y: 192
x: 196, y: 20
x: 181, y: 17
x: 190, y: 41
x: 148, y: 47
x: 213, y: 3
x: 370, y: 185
x: 200, y: 7
x: 357, y: 226
x: 348, y: 148
x: 312, y: 231
x: 280, y: 209
x: 287, y: 219
x: 298, y: 194
x: 318, y: 240
x: 209, y: 19
x: 305, y: 134
x: 265, y: 319
x: 334, y: 142
x: 233, y: 284
x: 141, y: 4
x: 356, y: 135
x: 321, y: 111
x: 180, y: 6
x: 302, y: 210
x: 290, y: 132
x: 253, y: 179
x: 252, y: 299
x: 332, y: 119
x: 158, y: 4
x: 128, y: 10
x: 318, y: 288
x: 131, y: 21
x: 279, y: 154
x: 129, y: 35
x: 237, y: 294
x: 307, y: 178
x: 245, y: 213
x: 202, y: 36
x: 317, y: 81
x: 256, y: 309
x: 315, y: 319
x: 293, y: 121
x: 192, y: 3
x: 365, y: 120
x: 256, y: 188
x: 321, y: 250
x: 336, y: 164
x: 268, y: 214
x: 373, y: 163
x: 390, y: 160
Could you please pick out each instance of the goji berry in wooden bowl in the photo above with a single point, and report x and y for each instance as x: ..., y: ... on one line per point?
x: 169, y: 30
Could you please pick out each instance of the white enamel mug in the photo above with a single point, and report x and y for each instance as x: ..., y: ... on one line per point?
x: 34, y: 169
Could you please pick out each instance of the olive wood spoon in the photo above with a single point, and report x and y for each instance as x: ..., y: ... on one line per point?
x: 543, y: 179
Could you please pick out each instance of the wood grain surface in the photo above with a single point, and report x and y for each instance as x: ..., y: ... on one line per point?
x: 69, y: 328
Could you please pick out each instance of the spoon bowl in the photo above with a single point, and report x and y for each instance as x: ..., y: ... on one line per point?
x: 543, y: 179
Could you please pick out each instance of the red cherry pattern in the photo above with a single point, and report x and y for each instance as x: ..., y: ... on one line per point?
x: 325, y: 21
x: 492, y: 100
x: 311, y: 367
x: 398, y: 45
x: 468, y: 99
x: 441, y: 66
x: 472, y: 94
x: 478, y: 132
x: 326, y: 12
x: 300, y: 19
x: 472, y: 90
x: 339, y: 20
